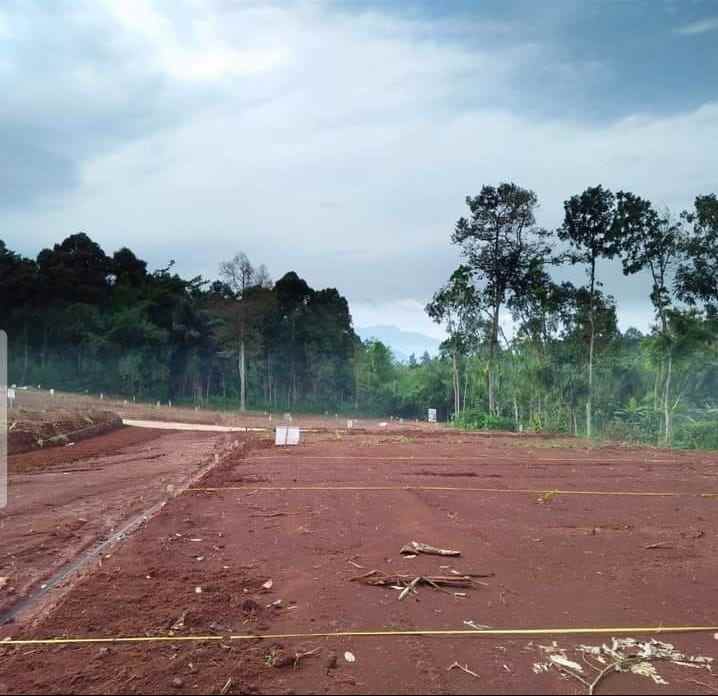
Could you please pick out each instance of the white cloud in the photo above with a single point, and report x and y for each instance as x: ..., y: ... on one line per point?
x: 699, y: 27
x: 195, y: 52
x: 347, y: 154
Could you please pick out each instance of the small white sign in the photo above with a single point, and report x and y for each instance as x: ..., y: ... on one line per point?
x: 11, y: 395
x: 432, y: 415
x: 286, y: 435
x: 292, y: 436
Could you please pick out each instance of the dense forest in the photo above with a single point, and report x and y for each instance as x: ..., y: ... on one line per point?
x: 80, y: 319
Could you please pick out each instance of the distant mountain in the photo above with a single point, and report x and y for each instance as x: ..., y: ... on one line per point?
x: 402, y: 343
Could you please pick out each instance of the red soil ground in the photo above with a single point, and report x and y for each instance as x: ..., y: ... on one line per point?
x: 64, y: 500
x: 558, y: 560
x: 33, y: 429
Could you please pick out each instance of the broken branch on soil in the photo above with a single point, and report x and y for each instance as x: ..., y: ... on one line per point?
x: 300, y: 655
x: 409, y: 588
x: 622, y: 655
x: 179, y: 624
x: 281, y: 659
x: 408, y: 582
x: 463, y: 668
x: 415, y: 547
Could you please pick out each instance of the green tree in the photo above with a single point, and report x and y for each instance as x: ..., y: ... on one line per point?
x: 590, y: 231
x: 697, y: 275
x: 649, y: 241
x: 458, y: 306
x: 502, y: 247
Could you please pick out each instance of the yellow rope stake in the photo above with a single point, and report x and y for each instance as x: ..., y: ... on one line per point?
x: 437, y: 633
x: 524, y: 491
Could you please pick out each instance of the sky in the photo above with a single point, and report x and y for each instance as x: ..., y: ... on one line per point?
x: 340, y: 139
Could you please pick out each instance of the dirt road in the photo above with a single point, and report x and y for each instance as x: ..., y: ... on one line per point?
x: 66, y: 500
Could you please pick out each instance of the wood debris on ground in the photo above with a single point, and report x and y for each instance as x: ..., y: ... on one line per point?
x: 414, y: 548
x: 178, y: 625
x: 279, y: 659
x: 463, y: 668
x: 407, y: 584
x: 622, y: 655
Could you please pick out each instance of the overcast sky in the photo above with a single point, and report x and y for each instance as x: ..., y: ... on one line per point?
x: 340, y: 139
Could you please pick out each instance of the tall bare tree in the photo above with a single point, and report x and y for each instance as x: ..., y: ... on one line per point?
x: 240, y: 276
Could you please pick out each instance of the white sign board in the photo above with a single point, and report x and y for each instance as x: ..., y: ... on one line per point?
x: 286, y: 435
x: 10, y: 395
x: 432, y: 415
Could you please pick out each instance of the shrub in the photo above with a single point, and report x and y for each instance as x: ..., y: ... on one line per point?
x: 698, y: 435
x: 498, y: 423
x: 625, y: 431
x: 474, y: 419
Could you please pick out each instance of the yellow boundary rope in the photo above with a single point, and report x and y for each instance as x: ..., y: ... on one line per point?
x: 524, y: 491
x: 370, y: 634
x: 486, y: 458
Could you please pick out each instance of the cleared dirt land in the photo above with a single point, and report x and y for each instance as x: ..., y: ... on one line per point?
x: 312, y: 518
x: 66, y: 500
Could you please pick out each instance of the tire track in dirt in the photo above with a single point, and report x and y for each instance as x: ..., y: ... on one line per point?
x: 55, y: 528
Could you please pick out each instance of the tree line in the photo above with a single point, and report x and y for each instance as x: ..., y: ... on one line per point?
x: 523, y: 351
x: 544, y: 373
x: 80, y: 319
